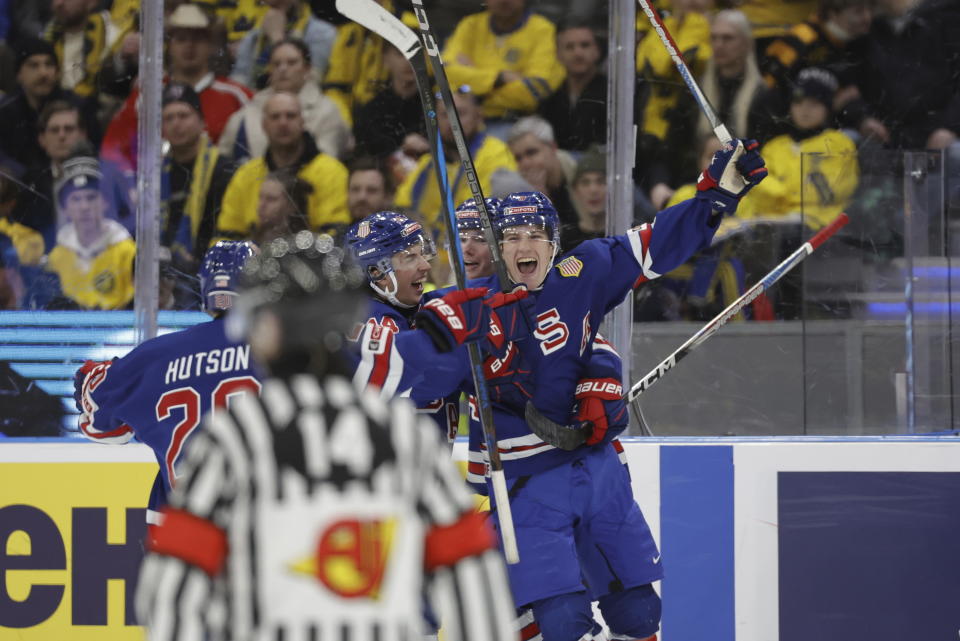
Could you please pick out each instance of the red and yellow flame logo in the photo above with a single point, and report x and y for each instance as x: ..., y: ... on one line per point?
x: 351, y: 557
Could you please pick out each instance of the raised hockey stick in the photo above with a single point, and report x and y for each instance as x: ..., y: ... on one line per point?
x: 374, y: 17
x: 466, y: 160
x: 567, y: 438
x: 674, y: 52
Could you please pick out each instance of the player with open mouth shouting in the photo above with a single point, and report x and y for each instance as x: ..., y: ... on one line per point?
x: 570, y: 504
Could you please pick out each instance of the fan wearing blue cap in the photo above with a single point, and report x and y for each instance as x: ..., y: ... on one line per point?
x: 94, y: 254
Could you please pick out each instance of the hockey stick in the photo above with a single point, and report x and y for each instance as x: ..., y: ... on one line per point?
x: 374, y: 17
x: 719, y: 129
x: 466, y: 160
x: 568, y: 438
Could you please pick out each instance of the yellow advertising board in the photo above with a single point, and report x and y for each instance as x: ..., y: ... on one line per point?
x: 71, y: 532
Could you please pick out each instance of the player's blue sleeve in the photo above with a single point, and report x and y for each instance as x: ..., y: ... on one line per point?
x: 592, y: 280
x: 102, y: 393
x: 621, y: 262
x: 407, y: 361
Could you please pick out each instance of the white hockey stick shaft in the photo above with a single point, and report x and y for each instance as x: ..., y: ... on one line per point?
x: 469, y: 170
x: 377, y: 19
x: 714, y: 325
x: 505, y: 514
x: 719, y: 129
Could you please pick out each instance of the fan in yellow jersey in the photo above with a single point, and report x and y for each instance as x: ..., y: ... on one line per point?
x: 356, y: 72
x: 507, y: 55
x: 94, y: 255
x: 240, y: 17
x: 419, y: 191
x: 814, y: 169
x: 84, y: 39
x: 291, y: 147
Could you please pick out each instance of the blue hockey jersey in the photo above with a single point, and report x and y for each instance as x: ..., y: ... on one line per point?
x: 396, y: 361
x: 160, y: 391
x: 578, y: 292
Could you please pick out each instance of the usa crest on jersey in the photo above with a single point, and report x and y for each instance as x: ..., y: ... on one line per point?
x: 570, y: 267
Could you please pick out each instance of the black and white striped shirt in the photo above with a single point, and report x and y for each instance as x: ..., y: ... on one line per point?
x: 314, y: 513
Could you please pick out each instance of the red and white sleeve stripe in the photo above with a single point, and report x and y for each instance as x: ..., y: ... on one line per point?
x: 88, y: 426
x: 639, y: 238
x: 381, y: 365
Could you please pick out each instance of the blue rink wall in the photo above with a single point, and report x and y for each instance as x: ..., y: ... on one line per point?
x: 762, y: 540
x: 790, y: 540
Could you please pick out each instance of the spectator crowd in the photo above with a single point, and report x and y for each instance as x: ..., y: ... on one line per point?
x: 279, y: 116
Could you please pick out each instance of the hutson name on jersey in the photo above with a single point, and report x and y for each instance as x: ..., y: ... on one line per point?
x: 216, y: 361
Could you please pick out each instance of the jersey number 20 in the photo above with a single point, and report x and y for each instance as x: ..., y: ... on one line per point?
x: 188, y: 399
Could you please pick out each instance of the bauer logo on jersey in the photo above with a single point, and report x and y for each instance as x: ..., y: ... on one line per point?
x: 351, y: 557
x: 570, y: 267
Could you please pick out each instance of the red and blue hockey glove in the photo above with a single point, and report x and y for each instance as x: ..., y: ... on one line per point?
x: 511, y: 319
x: 599, y: 401
x: 734, y: 171
x: 80, y: 377
x: 457, y: 318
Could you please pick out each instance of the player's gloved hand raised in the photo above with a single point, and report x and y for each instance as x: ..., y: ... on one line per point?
x: 599, y: 400
x: 457, y: 318
x: 80, y: 376
x: 734, y: 170
x: 511, y: 318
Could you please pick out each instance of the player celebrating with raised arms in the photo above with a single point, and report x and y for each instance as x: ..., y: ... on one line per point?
x: 160, y: 390
x: 574, y: 515
x: 316, y: 511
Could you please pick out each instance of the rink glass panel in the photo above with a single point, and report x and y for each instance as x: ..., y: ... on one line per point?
x: 864, y: 336
x: 866, y: 350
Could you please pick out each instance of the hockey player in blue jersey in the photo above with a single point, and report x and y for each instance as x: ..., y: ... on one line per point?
x: 569, y: 505
x: 160, y: 391
x: 396, y: 253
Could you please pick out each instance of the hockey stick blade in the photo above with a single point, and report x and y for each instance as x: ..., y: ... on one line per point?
x: 560, y: 436
x: 371, y: 15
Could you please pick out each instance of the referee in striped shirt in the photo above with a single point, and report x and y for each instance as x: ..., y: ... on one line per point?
x: 315, y: 513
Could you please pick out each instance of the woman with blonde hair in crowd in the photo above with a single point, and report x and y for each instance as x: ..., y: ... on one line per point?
x: 731, y: 80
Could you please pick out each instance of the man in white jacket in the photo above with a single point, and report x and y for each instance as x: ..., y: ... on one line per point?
x: 290, y: 71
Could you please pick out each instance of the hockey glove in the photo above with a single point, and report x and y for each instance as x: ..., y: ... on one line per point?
x: 511, y: 319
x: 598, y: 399
x: 80, y: 377
x: 457, y: 318
x: 734, y: 171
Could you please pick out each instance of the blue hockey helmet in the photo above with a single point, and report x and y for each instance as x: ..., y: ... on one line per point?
x: 529, y: 208
x: 374, y: 241
x: 220, y: 273
x: 468, y: 214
